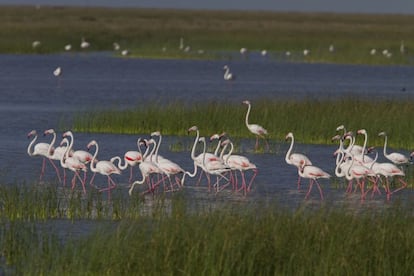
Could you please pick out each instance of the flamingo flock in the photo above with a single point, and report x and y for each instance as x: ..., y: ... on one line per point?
x: 361, y: 172
x: 156, y: 170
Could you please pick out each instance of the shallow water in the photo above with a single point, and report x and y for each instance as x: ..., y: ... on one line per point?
x: 32, y: 98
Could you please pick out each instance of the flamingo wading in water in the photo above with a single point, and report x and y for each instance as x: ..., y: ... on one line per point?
x: 256, y: 129
x: 295, y: 158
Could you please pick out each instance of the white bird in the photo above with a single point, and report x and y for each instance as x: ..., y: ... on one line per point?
x: 395, y: 157
x: 125, y: 52
x: 295, y: 159
x: 240, y: 163
x: 227, y: 74
x: 256, y: 129
x: 103, y: 167
x: 313, y: 173
x: 68, y: 47
x: 116, y: 46
x: 36, y: 44
x: 57, y: 72
x: 84, y: 44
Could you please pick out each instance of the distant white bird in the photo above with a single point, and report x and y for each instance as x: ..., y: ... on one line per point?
x: 125, y: 52
x: 306, y: 52
x: 227, y: 74
x: 331, y: 48
x: 116, y: 46
x: 402, y: 47
x: 57, y: 72
x: 36, y: 44
x: 244, y: 52
x: 68, y: 47
x: 263, y: 53
x: 84, y: 44
x: 373, y: 51
x: 288, y: 53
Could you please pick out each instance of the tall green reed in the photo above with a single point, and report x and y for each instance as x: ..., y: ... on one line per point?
x: 311, y: 120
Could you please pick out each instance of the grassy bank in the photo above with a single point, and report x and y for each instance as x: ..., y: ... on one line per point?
x: 157, y: 33
x: 311, y: 121
x: 252, y: 240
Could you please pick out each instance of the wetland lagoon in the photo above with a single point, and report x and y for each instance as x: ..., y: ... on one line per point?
x: 50, y: 229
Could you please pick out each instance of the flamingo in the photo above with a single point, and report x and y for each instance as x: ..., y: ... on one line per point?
x: 57, y: 72
x: 56, y: 153
x: 198, y: 160
x: 356, y: 149
x: 395, y: 157
x: 40, y: 149
x: 84, y: 44
x: 389, y: 170
x: 82, y: 155
x: 72, y: 164
x: 228, y: 76
x: 68, y: 47
x: 167, y: 166
x: 240, y: 163
x: 213, y: 167
x: 295, y: 158
x: 313, y: 173
x: 104, y: 167
x: 256, y: 129
x: 359, y: 173
x: 147, y: 168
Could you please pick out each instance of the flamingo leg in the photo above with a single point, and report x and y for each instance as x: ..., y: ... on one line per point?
x: 310, y: 188
x: 251, y: 180
x: 404, y: 184
x: 319, y: 188
x: 299, y: 182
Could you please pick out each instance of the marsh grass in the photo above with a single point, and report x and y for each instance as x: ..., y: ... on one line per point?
x: 312, y: 121
x: 156, y: 33
x: 243, y: 240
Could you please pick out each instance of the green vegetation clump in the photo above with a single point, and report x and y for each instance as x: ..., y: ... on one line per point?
x: 312, y: 121
x: 173, y: 238
x: 210, y: 34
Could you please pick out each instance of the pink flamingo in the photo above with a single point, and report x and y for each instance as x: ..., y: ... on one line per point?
x: 295, y: 158
x: 213, y: 167
x: 40, y: 149
x: 313, y: 173
x: 72, y: 164
x: 147, y: 168
x: 168, y: 167
x: 131, y: 158
x: 198, y: 160
x: 395, y: 157
x: 104, y: 167
x: 82, y: 155
x: 256, y: 129
x: 240, y: 163
x: 56, y: 153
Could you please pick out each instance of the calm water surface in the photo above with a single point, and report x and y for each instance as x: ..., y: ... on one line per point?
x: 32, y: 98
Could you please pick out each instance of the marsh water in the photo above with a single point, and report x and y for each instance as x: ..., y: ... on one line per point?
x: 33, y: 98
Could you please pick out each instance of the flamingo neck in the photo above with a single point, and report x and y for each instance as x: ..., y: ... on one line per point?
x: 94, y: 158
x: 288, y: 153
x: 247, y: 114
x: 30, y: 148
x: 194, y: 145
x: 158, y: 146
x: 52, y: 143
x: 385, y: 145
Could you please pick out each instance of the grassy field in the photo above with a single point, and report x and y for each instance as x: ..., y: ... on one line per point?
x: 157, y: 33
x: 172, y: 238
x: 311, y: 121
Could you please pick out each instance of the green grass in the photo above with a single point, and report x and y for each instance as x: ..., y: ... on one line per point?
x: 311, y: 121
x: 174, y: 238
x: 145, y: 32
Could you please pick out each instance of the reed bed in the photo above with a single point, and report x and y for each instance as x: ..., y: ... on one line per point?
x: 157, y: 33
x: 259, y: 239
x: 312, y: 121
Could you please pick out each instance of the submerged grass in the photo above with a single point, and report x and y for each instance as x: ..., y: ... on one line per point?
x: 175, y: 239
x: 157, y: 33
x: 312, y: 121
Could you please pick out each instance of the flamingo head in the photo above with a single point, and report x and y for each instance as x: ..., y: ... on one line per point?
x: 48, y: 131
x: 193, y: 128
x: 91, y: 143
x: 67, y: 133
x: 64, y: 141
x: 336, y: 137
x: 341, y: 127
x: 225, y: 142
x: 289, y: 135
x: 246, y: 102
x: 361, y: 131
x: 382, y: 133
x: 156, y: 133
x: 31, y: 133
